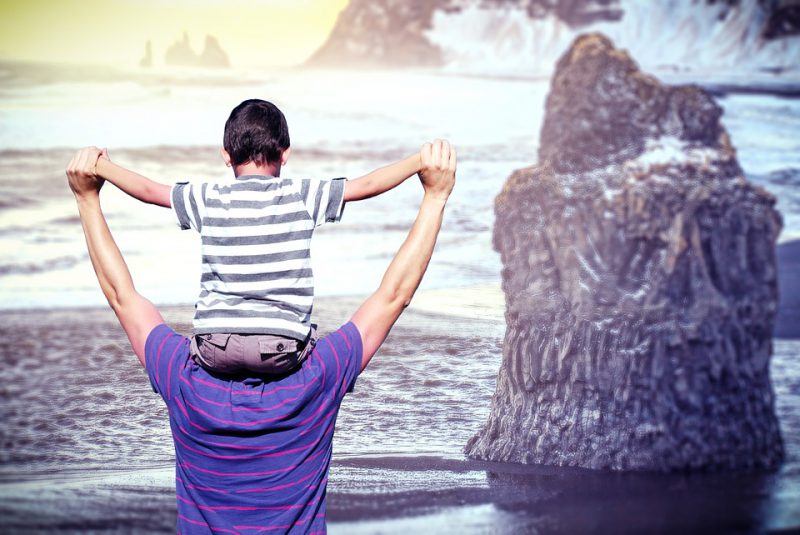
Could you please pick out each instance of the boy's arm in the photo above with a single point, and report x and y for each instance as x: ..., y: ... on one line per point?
x: 382, y: 179
x: 134, y: 184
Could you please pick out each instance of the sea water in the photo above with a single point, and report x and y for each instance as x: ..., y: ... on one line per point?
x: 82, y: 432
x: 168, y: 126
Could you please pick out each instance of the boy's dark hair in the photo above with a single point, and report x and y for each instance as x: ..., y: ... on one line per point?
x: 256, y: 131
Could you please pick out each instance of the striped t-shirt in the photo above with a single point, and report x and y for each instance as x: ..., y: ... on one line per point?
x: 252, y: 454
x: 256, y: 233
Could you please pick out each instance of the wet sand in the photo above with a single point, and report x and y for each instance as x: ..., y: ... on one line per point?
x: 787, y: 324
x: 397, y: 462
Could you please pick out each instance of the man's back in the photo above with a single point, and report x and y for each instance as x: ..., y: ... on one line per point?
x: 252, y: 453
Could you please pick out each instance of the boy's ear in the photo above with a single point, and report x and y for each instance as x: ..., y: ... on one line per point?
x: 285, y: 155
x: 225, y: 157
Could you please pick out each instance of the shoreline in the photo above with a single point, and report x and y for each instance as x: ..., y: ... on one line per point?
x: 445, y: 495
x: 787, y: 320
x: 478, y: 301
x: 483, y: 301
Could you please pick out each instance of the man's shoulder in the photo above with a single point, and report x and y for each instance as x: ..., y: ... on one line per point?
x: 162, y: 336
x: 345, y: 336
x: 342, y: 349
x: 164, y: 351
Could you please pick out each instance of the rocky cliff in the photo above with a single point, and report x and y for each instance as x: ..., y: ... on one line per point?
x: 382, y: 33
x: 640, y: 283
x: 514, y: 36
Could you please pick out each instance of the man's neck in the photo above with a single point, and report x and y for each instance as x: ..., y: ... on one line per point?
x: 252, y: 168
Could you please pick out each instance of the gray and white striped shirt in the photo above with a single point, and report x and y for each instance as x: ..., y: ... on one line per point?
x: 256, y: 233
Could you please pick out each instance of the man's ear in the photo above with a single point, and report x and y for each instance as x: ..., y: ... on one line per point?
x: 225, y: 157
x: 285, y: 155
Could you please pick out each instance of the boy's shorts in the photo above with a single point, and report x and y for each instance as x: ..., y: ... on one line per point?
x: 257, y: 353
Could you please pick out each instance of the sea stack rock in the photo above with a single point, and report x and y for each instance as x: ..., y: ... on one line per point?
x: 181, y: 53
x: 640, y: 283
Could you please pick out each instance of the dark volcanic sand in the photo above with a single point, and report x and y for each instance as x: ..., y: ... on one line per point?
x: 787, y: 324
x: 79, y: 457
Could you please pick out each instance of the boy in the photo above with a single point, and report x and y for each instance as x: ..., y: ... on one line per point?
x: 254, y: 309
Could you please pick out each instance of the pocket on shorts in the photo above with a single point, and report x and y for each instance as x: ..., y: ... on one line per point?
x: 276, y: 354
x: 211, y: 348
x: 276, y: 345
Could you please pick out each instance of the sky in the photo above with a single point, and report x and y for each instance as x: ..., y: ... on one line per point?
x: 114, y: 32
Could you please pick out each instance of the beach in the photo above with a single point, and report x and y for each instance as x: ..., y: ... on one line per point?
x: 87, y: 447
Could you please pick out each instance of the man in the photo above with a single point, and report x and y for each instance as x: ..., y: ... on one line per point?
x: 253, y: 453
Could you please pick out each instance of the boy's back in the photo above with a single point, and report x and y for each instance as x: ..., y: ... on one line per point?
x: 256, y: 233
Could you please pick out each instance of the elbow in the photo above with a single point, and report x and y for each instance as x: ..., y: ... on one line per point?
x: 398, y: 298
x: 120, y: 301
x: 114, y: 302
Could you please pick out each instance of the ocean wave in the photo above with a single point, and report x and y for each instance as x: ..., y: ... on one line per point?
x: 784, y: 184
x: 53, y: 264
x: 783, y: 177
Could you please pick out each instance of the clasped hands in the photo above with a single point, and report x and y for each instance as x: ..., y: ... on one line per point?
x: 82, y: 171
x: 438, y: 169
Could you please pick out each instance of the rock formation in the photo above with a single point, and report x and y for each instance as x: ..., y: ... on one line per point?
x: 182, y: 54
x: 514, y: 36
x: 640, y: 282
x: 784, y: 18
x: 384, y: 33
x: 147, y: 59
x: 213, y: 56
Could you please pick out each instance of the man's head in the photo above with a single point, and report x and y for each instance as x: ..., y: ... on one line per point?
x: 256, y: 132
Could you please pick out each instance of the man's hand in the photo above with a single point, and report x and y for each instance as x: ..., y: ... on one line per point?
x: 438, y: 169
x: 82, y: 171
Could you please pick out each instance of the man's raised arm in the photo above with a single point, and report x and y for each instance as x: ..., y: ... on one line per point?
x: 379, y: 312
x: 136, y: 314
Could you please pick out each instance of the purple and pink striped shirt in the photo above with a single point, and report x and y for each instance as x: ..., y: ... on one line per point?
x: 252, y: 454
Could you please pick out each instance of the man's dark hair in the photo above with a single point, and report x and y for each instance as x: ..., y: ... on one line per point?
x: 256, y: 131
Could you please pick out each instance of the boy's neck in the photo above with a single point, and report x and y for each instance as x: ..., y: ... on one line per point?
x: 252, y: 168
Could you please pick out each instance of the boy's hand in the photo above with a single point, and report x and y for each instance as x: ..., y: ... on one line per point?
x: 82, y: 171
x: 438, y: 168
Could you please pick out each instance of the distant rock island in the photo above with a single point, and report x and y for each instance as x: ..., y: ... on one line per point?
x: 641, y: 285
x: 180, y: 53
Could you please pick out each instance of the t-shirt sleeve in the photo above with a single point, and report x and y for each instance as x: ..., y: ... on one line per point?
x: 324, y: 199
x: 342, y: 352
x: 188, y: 204
x: 165, y: 352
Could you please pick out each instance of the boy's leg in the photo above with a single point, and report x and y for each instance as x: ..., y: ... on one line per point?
x: 262, y: 354
x: 268, y: 354
x: 211, y: 352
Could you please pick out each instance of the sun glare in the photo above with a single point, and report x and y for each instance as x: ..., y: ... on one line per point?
x: 100, y: 32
